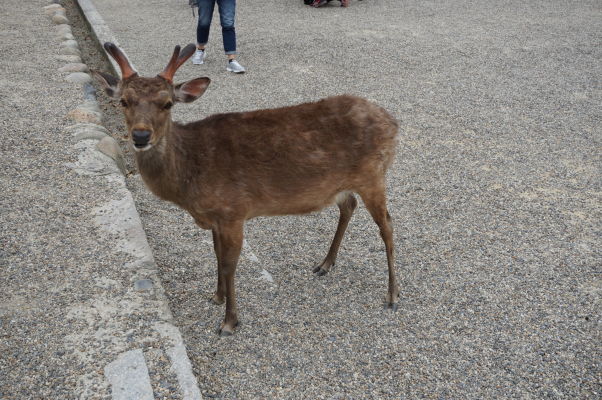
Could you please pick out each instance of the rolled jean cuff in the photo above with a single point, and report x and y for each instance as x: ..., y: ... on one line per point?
x: 231, y: 52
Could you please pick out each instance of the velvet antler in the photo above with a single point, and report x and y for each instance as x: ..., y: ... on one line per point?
x: 177, y: 59
x: 126, y: 69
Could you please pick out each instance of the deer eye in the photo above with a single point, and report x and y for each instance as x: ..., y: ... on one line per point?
x: 123, y: 103
x: 167, y: 105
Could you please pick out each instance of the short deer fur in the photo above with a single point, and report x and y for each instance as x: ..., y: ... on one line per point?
x: 228, y: 168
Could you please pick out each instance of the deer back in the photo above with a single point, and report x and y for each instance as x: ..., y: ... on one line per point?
x: 281, y: 161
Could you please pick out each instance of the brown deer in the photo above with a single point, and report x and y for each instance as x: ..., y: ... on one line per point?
x: 228, y: 168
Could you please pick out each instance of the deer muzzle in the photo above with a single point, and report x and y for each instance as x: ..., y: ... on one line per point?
x: 141, y: 138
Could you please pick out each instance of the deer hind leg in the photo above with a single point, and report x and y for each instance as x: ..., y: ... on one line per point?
x: 230, y: 236
x: 347, y: 204
x: 376, y: 203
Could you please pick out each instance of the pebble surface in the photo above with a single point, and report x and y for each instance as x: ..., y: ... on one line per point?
x: 494, y: 196
x: 79, y: 289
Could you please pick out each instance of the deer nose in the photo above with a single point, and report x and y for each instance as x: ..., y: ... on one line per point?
x: 141, y: 137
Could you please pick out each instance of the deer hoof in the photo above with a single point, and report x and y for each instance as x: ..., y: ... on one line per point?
x: 320, y: 271
x: 391, y: 299
x: 217, y: 300
x: 224, y: 332
x: 227, y: 329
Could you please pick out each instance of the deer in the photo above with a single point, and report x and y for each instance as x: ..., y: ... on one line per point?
x: 228, y: 168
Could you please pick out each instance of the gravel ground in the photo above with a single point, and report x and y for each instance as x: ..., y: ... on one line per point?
x: 44, y: 232
x: 68, y: 307
x: 495, y: 196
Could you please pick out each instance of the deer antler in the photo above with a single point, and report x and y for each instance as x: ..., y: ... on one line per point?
x: 126, y: 69
x: 177, y: 59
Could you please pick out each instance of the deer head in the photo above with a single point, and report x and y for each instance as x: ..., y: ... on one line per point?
x: 147, y: 102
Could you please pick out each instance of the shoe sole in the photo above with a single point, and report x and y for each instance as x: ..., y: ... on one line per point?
x: 236, y: 72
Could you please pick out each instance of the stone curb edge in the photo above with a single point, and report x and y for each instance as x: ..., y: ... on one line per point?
x: 102, y: 156
x: 101, y: 31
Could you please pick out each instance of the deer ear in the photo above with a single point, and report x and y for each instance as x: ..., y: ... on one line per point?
x: 187, y: 92
x: 108, y: 82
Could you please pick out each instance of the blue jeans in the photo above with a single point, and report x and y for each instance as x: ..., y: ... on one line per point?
x: 226, y: 18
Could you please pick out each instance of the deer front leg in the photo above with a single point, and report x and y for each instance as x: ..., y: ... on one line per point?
x: 219, y: 295
x: 230, y: 236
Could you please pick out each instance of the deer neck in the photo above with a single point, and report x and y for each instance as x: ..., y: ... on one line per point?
x: 158, y: 170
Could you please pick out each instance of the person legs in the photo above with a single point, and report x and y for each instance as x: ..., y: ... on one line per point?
x: 205, y: 16
x: 227, y: 13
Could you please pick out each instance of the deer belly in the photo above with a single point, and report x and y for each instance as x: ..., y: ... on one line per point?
x: 302, y: 203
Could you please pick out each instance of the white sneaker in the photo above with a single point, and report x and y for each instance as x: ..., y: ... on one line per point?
x: 234, y: 66
x: 198, y: 57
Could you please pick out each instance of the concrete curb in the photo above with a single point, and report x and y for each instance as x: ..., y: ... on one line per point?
x: 101, y: 30
x: 101, y: 156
